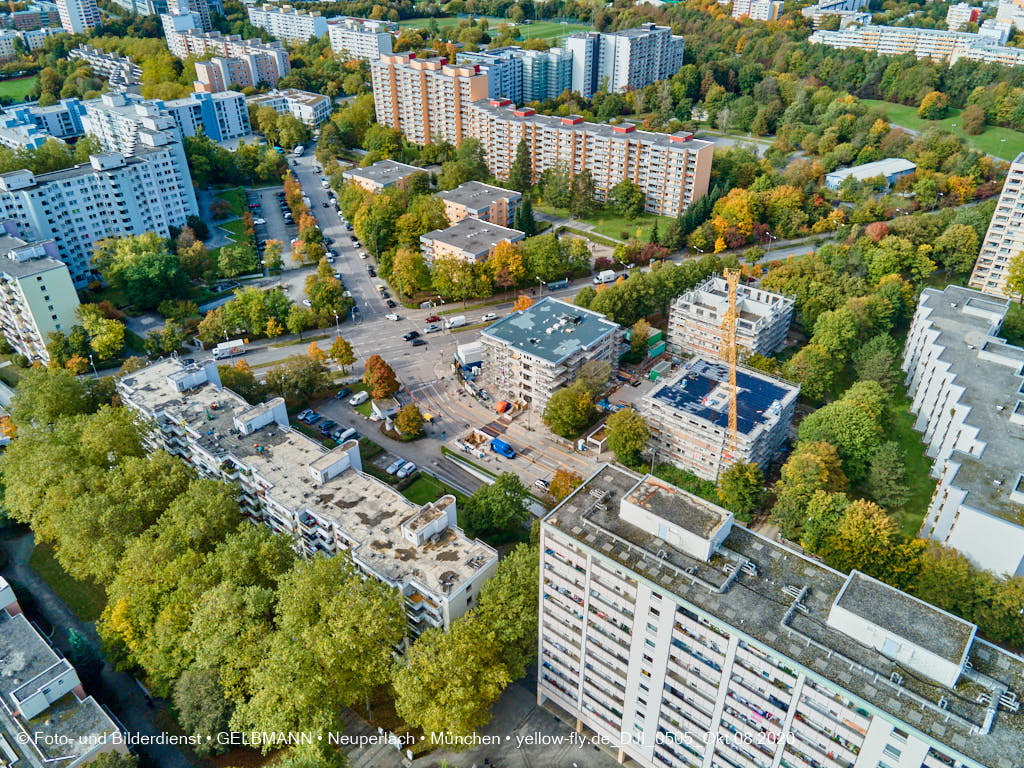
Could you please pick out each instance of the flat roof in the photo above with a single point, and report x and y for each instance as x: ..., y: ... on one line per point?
x: 754, y: 603
x: 383, y: 172
x: 474, y: 236
x: 700, y: 390
x: 751, y: 303
x: 885, y: 167
x: 368, y: 511
x: 476, y: 195
x: 528, y: 330
x: 689, y: 512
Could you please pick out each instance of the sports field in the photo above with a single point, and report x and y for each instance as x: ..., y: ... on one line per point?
x: 16, y: 89
x: 533, y: 29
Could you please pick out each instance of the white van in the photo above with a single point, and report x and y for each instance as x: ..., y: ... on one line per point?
x: 359, y: 398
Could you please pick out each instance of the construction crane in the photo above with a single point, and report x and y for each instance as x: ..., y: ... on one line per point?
x: 728, y: 353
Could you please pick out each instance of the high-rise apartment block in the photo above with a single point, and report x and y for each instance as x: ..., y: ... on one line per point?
x: 37, y: 296
x: 288, y: 23
x: 627, y: 59
x: 960, y: 15
x: 684, y: 640
x: 223, y: 73
x: 546, y: 74
x: 758, y: 10
x: 425, y: 98
x: 530, y: 354
x: 695, y: 319
x: 1005, y: 236
x: 361, y: 38
x: 938, y: 44
x: 120, y: 71
x: 522, y: 75
x: 267, y: 62
x: 200, y: 9
x: 307, y: 107
x: 77, y: 16
x: 967, y: 391
x: 1011, y: 11
x: 110, y: 196
x: 688, y: 417
x: 318, y: 498
x: 481, y: 201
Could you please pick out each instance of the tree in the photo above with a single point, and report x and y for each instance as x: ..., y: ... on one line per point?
x: 957, y: 247
x: 563, y: 483
x: 813, y: 466
x: 522, y: 303
x: 814, y: 368
x: 508, y: 603
x: 741, y: 488
x: 934, y: 106
x: 112, y: 759
x: 887, y: 477
x: 379, y: 378
x: 341, y: 353
x: 241, y: 380
x: 235, y: 259
x: 523, y: 218
x: 569, y: 409
x: 972, y: 119
x: 298, y: 377
x: 497, y: 510
x: 595, y: 375
x: 866, y: 538
x: 627, y: 435
x: 627, y: 198
x: 45, y: 394
x: 106, y: 336
x: 202, y: 708
x: 878, y: 360
x: 410, y: 421
x: 851, y: 424
x: 142, y: 267
x: 581, y: 194
x: 1015, y: 277
x: 822, y: 515
x: 520, y: 175
x: 638, y: 340
x: 272, y: 256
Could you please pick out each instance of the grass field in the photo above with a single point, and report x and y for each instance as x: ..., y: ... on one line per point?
x: 611, y: 224
x: 994, y: 140
x: 85, y: 598
x: 534, y: 29
x: 16, y: 89
x: 918, y: 465
x: 236, y: 199
x: 426, y: 488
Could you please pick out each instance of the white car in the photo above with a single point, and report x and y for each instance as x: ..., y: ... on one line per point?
x: 489, y: 316
x: 406, y: 470
x: 395, y: 466
x: 362, y: 255
x: 392, y: 316
x: 259, y: 221
x: 305, y: 303
x: 347, y: 294
x: 432, y: 328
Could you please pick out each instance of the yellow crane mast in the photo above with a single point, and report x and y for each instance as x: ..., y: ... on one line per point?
x: 728, y: 352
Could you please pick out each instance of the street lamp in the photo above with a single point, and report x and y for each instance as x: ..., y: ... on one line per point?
x: 771, y: 237
x: 337, y: 325
x: 95, y: 372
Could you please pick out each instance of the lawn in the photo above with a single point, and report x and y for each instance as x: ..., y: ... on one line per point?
x: 16, y: 89
x: 426, y: 488
x: 994, y: 140
x: 921, y: 485
x: 363, y: 408
x: 610, y: 224
x: 85, y: 598
x: 236, y: 199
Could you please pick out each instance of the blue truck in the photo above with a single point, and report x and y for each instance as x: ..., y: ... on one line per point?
x: 500, y: 446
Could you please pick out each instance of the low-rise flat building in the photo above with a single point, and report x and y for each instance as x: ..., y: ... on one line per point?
x: 120, y: 71
x: 381, y: 175
x: 319, y: 498
x: 695, y: 319
x: 307, y: 107
x: 365, y: 39
x: 688, y: 417
x: 287, y: 23
x: 937, y: 44
x: 470, y: 239
x: 37, y: 296
x: 890, y: 169
x: 1005, y: 236
x: 686, y: 641
x: 481, y: 201
x: 967, y: 392
x: 530, y: 354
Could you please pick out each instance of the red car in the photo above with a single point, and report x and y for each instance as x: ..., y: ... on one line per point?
x: 433, y: 319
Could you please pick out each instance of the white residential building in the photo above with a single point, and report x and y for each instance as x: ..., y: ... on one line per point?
x: 848, y: 11
x: 530, y: 354
x: 626, y: 59
x: 77, y: 16
x: 936, y: 44
x: 367, y: 39
x: 37, y: 296
x: 688, y: 417
x: 120, y: 71
x: 309, y: 108
x: 221, y: 116
x: 1011, y: 11
x: 118, y: 120
x: 268, y: 62
x: 960, y: 15
x: 110, y: 196
x: 468, y: 239
x: 1005, y: 236
x: 319, y: 498
x: 967, y: 388
x: 758, y: 10
x: 681, y: 639
x: 288, y: 23
x: 381, y: 175
x: 695, y: 319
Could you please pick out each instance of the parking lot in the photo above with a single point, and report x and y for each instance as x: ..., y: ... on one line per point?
x: 274, y: 227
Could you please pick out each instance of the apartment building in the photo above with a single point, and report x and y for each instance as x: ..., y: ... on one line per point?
x: 143, y: 7
x: 688, y: 417
x: 381, y: 175
x: 17, y: 134
x: 967, y: 392
x: 319, y: 498
x: 682, y: 639
x: 307, y: 107
x: 520, y: 75
x: 1011, y: 11
x: 266, y: 62
x: 221, y: 116
x: 37, y: 15
x: 503, y: 68
x: 673, y: 170
x: 960, y: 15
x: 62, y: 120
x: 120, y: 71
x: 467, y: 240
x: 354, y: 38
x: 531, y: 353
x: 937, y: 44
x: 546, y: 74
x: 424, y: 98
x: 695, y: 319
x: 757, y: 10
x: 77, y: 16
x: 200, y: 9
x: 224, y: 73
x: 118, y: 120
x: 110, y: 196
x: 627, y: 59
x: 32, y: 39
x: 48, y: 719
x: 481, y: 201
x: 287, y: 23
x: 1005, y: 236
x: 848, y: 11
x: 37, y: 296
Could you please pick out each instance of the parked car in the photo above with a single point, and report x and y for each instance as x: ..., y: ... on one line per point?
x: 489, y: 316
x: 338, y: 275
x: 362, y: 255
x: 406, y: 470
x: 542, y: 484
x: 370, y: 270
x: 395, y: 466
x: 342, y: 393
x: 313, y: 418
x: 359, y: 398
x: 391, y: 304
x: 327, y: 427
x: 346, y: 434
x: 305, y: 414
x: 347, y: 294
x: 433, y: 319
x: 432, y: 328
x: 393, y: 317
x: 306, y: 303
x: 259, y: 221
x: 410, y: 335
x: 385, y: 295
x: 418, y: 342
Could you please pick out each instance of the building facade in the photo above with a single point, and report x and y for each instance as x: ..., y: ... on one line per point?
x: 529, y: 354
x: 546, y: 74
x: 469, y: 239
x: 223, y: 73
x: 682, y: 639
x: 77, y: 16
x: 481, y: 201
x: 62, y: 120
x: 960, y: 15
x: 937, y: 44
x: 1005, y: 236
x: 627, y: 59
x: 695, y: 319
x: 688, y: 417
x: 110, y: 196
x: 120, y: 71
x: 318, y: 497
x: 354, y: 38
x: 200, y: 9
x: 221, y: 116
x: 307, y: 107
x: 37, y: 296
x: 967, y: 392
x: 287, y: 23
x: 381, y: 175
x: 267, y: 62
x: 118, y: 120
x: 520, y: 75
x: 758, y: 10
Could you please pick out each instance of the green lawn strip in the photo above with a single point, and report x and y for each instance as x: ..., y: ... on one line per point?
x: 427, y: 488
x: 459, y: 310
x: 589, y: 236
x: 614, y: 225
x: 990, y: 140
x: 17, y: 88
x: 920, y: 483
x: 458, y: 456
x: 85, y: 598
x: 307, y: 340
x: 236, y: 199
